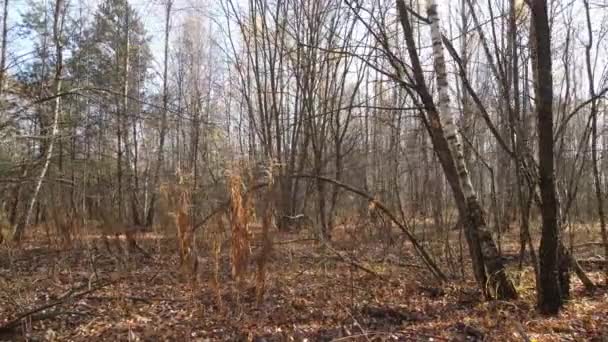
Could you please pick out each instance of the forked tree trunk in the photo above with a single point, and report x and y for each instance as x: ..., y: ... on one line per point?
x: 441, y: 147
x: 497, y: 276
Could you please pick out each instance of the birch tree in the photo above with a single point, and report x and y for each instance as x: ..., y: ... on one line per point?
x: 487, y: 264
x: 494, y: 266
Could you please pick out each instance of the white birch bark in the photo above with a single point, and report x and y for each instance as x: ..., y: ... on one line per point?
x: 447, y: 116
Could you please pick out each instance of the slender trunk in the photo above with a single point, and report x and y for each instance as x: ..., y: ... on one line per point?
x: 597, y: 180
x: 57, y: 28
x: 122, y: 146
x: 163, y: 125
x: 4, y: 44
x: 121, y: 117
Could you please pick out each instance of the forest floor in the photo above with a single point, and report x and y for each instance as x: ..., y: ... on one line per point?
x: 312, y: 294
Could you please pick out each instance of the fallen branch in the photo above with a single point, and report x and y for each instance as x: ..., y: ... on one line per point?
x: 14, y: 323
x: 589, y: 244
x: 349, y: 260
x: 286, y: 242
x: 146, y: 300
x: 593, y: 261
x: 131, y: 298
x: 52, y: 314
x: 397, y: 263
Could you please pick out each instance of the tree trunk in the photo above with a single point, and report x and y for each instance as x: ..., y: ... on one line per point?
x: 549, y: 292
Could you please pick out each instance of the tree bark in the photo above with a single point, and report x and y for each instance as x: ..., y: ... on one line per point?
x: 549, y: 291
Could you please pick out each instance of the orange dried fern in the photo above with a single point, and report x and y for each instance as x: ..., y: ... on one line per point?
x: 180, y: 195
x: 184, y: 234
x: 240, y: 217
